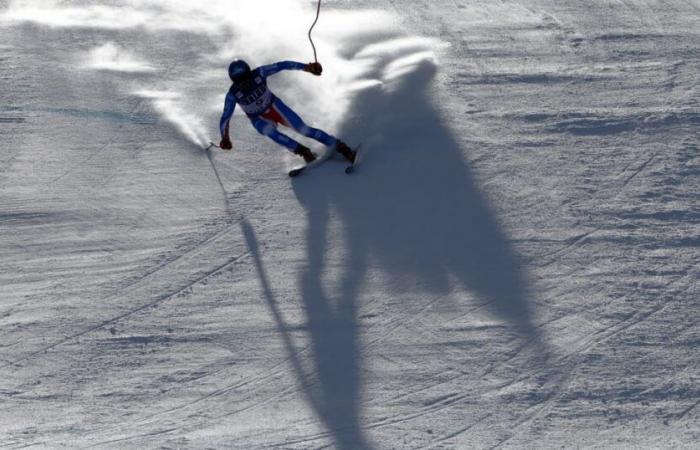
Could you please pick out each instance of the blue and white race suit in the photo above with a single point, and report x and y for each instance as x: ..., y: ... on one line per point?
x: 266, y: 111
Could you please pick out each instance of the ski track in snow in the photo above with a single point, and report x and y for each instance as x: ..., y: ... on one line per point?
x: 515, y: 264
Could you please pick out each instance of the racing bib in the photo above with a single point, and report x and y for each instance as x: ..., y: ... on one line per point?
x: 257, y: 100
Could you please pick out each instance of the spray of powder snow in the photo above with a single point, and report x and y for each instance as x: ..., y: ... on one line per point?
x: 168, y: 105
x: 110, y: 57
x: 189, y: 90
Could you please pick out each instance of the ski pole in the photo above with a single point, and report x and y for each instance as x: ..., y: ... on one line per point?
x: 318, y: 13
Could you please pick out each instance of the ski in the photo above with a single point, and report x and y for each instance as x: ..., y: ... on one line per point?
x: 318, y: 161
x: 351, y: 168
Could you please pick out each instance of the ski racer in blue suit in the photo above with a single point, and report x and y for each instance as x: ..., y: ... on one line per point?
x: 266, y: 111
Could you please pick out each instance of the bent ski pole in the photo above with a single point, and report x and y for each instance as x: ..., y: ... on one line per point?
x: 318, y: 13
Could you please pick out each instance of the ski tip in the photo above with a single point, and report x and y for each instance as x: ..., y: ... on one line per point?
x: 294, y: 172
x: 349, y: 169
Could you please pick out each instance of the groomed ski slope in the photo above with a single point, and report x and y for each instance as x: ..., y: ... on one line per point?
x: 515, y: 264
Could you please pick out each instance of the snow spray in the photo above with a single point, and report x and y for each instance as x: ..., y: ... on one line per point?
x: 186, y: 80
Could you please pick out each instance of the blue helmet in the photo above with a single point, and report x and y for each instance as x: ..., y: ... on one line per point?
x: 238, y: 69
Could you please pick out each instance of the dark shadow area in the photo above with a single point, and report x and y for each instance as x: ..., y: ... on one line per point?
x: 413, y: 209
x: 334, y: 391
x: 413, y: 206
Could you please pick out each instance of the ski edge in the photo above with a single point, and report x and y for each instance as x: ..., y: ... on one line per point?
x: 319, y: 160
x: 351, y: 168
x: 296, y: 172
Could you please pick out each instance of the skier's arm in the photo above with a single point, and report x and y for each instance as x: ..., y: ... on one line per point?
x: 229, y: 108
x: 271, y: 69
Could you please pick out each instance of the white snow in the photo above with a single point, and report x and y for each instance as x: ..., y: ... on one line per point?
x: 112, y: 58
x: 515, y: 264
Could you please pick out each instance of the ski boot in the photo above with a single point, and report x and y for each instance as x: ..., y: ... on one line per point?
x: 349, y: 154
x: 305, y: 153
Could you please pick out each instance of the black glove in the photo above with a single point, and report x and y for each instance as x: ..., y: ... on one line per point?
x: 226, y: 144
x: 314, y: 68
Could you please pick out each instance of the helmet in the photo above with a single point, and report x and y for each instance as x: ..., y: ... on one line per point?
x: 238, y: 69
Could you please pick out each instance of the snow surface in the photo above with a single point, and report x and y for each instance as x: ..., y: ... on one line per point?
x: 515, y: 264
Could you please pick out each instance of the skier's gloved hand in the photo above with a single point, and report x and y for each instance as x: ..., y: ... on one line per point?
x: 314, y: 68
x: 226, y: 144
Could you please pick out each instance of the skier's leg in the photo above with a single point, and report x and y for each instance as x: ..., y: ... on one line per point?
x: 293, y: 120
x: 269, y: 129
x: 284, y: 115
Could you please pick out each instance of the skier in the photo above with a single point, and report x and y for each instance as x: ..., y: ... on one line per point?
x: 266, y: 111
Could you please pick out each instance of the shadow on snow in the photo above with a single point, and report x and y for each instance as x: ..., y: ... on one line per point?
x: 413, y: 210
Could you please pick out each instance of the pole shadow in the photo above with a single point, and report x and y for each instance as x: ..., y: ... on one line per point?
x: 334, y: 392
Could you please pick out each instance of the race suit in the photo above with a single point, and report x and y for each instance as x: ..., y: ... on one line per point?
x: 266, y: 111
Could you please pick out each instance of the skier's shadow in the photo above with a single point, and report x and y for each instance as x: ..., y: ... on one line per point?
x: 412, y: 211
